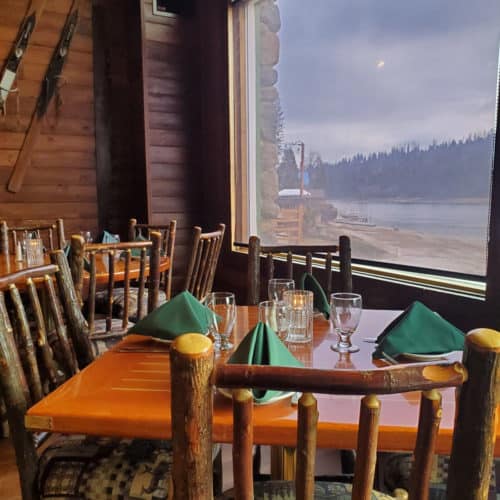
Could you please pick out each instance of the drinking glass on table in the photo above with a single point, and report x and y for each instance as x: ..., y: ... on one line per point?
x: 345, y: 314
x: 275, y: 315
x: 87, y: 236
x: 278, y: 286
x: 223, y: 306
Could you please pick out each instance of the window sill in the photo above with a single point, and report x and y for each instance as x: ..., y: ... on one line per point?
x: 469, y: 288
x: 445, y: 284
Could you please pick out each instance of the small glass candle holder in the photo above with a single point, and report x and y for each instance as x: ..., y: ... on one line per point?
x: 34, y: 252
x: 300, y: 315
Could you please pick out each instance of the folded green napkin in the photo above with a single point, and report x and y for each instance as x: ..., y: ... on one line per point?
x: 67, y: 250
x: 261, y: 346
x: 107, y: 237
x: 418, y: 330
x: 309, y: 282
x: 136, y: 252
x: 182, y: 314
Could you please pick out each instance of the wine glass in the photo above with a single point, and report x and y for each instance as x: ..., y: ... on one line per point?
x: 345, y: 313
x: 223, y: 305
x: 276, y: 287
x: 87, y: 236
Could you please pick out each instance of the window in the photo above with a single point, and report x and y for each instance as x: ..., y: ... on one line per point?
x: 374, y: 119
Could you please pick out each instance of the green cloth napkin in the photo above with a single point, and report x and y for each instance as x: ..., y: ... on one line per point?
x: 418, y: 330
x: 136, y: 252
x: 182, y: 314
x: 67, y: 250
x: 107, y: 237
x: 309, y: 282
x: 261, y: 346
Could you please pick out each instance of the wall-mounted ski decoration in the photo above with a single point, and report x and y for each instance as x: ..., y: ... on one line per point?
x: 9, y: 72
x: 49, y: 85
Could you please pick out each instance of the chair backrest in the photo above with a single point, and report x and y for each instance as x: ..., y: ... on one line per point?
x: 51, y: 234
x: 167, y: 246
x: 192, y: 384
x: 203, y: 261
x: 36, y: 351
x: 257, y: 277
x: 104, y: 264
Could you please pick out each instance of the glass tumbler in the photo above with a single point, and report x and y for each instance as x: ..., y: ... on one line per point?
x: 275, y: 315
x: 276, y: 287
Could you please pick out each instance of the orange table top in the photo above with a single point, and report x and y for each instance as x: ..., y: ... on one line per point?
x: 126, y: 393
x: 8, y: 264
x: 103, y: 268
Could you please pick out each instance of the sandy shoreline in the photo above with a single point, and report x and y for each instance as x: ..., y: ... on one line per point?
x: 412, y: 248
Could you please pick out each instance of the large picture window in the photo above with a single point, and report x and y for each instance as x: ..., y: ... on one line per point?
x: 374, y: 119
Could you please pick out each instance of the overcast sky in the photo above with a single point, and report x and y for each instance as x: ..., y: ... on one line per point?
x: 360, y: 76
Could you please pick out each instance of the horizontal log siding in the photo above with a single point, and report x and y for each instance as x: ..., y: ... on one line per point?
x: 61, y: 181
x: 169, y: 115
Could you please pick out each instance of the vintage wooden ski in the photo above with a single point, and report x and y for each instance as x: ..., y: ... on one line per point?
x: 11, y: 66
x: 49, y: 85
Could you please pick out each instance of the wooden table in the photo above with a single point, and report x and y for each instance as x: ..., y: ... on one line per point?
x: 127, y: 394
x: 8, y: 264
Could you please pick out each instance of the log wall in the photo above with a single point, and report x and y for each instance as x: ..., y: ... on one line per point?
x: 61, y: 181
x: 147, y: 103
x: 121, y: 163
x: 171, y: 93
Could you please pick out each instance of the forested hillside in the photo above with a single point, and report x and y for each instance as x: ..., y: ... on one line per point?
x: 456, y: 169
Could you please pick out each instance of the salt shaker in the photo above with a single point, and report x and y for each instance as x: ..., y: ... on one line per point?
x: 19, y: 252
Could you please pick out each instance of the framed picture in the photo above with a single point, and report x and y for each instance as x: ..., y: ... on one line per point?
x: 172, y: 7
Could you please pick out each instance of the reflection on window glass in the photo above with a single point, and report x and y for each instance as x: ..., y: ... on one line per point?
x: 374, y: 119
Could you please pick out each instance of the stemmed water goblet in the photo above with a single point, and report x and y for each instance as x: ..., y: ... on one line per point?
x: 345, y: 314
x: 223, y: 318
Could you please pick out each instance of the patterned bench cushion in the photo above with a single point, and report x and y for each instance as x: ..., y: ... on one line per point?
x: 83, y: 467
x: 395, y: 469
x: 119, y: 302
x: 285, y: 490
x: 102, y: 341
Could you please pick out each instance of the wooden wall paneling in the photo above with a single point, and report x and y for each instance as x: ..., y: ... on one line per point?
x: 145, y: 67
x: 61, y: 181
x: 102, y: 113
x: 121, y: 153
x: 213, y: 133
x: 136, y: 70
x: 171, y: 91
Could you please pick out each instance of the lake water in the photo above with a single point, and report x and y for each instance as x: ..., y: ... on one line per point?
x: 447, y: 219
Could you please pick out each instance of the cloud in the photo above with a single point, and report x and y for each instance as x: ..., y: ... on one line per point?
x: 368, y: 75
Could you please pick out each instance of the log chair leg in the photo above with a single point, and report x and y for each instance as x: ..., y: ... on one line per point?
x: 283, y: 459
